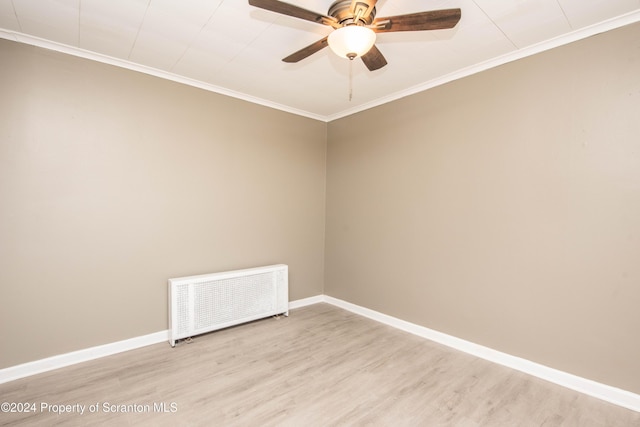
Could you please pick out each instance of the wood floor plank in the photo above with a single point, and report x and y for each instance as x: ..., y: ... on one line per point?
x: 321, y: 366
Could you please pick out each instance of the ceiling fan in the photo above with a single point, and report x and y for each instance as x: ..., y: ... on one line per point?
x: 355, y: 27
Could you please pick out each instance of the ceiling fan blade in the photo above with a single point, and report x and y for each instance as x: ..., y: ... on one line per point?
x: 363, y: 8
x: 432, y: 20
x: 374, y: 59
x: 292, y: 10
x: 307, y: 51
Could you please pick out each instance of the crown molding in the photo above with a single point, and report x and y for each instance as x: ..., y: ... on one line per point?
x: 611, y: 24
x: 580, y: 34
x: 122, y: 63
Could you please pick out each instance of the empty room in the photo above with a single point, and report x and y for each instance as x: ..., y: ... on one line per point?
x: 434, y: 223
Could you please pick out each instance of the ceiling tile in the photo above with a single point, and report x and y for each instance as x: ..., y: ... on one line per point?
x: 583, y: 13
x: 474, y: 40
x: 202, y: 62
x: 168, y: 29
x: 235, y: 22
x: 526, y: 22
x: 56, y: 20
x: 111, y: 27
x: 224, y: 36
x: 8, y: 17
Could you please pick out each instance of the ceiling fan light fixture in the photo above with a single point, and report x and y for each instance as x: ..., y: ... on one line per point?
x: 351, y: 41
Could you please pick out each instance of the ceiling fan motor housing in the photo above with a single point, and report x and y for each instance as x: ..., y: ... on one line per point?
x: 341, y: 10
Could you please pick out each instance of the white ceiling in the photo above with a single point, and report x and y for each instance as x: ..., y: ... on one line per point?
x: 230, y: 47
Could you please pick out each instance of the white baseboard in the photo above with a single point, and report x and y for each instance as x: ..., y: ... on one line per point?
x: 60, y: 361
x: 67, y: 359
x: 306, y: 301
x: 601, y: 391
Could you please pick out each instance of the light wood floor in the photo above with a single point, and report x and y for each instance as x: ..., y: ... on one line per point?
x: 322, y: 366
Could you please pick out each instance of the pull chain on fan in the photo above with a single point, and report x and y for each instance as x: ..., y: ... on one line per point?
x: 350, y: 79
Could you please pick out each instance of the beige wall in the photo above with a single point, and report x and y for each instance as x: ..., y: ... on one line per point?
x: 503, y: 208
x: 112, y: 181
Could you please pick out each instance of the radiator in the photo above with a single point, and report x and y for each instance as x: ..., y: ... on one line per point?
x: 205, y: 303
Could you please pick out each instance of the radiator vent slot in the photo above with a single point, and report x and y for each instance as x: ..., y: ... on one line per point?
x: 199, y: 304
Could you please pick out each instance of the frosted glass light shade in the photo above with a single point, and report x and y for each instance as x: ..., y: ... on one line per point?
x: 351, y: 41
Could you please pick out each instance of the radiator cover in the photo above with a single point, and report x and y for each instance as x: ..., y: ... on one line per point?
x: 200, y: 304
